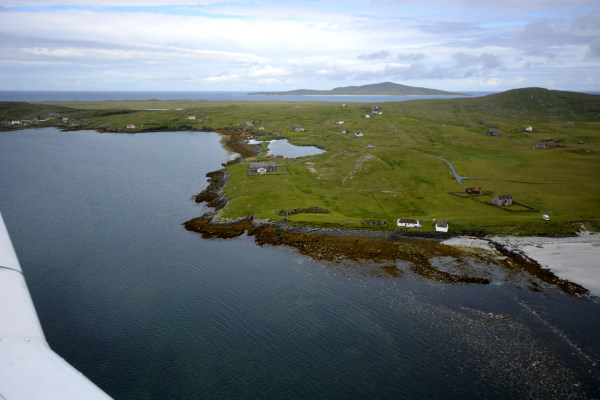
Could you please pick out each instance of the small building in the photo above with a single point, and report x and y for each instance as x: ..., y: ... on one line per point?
x: 340, y: 122
x: 249, y: 124
x: 408, y: 223
x: 358, y: 134
x: 474, y: 190
x: 368, y: 116
x: 130, y: 126
x: 298, y: 129
x: 191, y: 117
x: 542, y: 146
x: 493, y: 132
x: 502, y: 201
x: 529, y: 129
x: 261, y: 168
x: 441, y: 226
x: 343, y: 131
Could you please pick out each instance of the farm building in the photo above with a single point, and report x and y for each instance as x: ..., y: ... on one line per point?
x: 474, y: 190
x: 358, y: 134
x: 408, y: 223
x: 130, y: 126
x: 441, y: 226
x: 261, y: 168
x: 528, y: 129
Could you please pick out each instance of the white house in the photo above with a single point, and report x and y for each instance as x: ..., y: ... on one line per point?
x: 191, y: 117
x: 528, y: 129
x: 130, y: 126
x: 441, y: 226
x: 408, y: 223
x: 367, y: 116
x: 358, y: 134
x: 340, y: 122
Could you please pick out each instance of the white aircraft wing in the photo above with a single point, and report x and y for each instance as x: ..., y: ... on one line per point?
x: 29, y: 369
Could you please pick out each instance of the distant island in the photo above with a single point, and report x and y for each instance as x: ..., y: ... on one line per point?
x: 376, y: 89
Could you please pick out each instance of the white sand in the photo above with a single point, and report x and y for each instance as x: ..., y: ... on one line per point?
x: 576, y: 259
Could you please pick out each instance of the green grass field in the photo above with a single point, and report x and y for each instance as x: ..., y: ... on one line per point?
x: 388, y: 173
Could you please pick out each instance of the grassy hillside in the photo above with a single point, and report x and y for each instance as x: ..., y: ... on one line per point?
x: 388, y: 172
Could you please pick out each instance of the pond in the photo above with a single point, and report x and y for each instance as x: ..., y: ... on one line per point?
x: 285, y: 148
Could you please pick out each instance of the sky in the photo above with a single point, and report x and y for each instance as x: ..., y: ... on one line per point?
x: 247, y: 45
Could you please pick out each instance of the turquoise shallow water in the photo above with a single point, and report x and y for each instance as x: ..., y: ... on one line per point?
x: 148, y: 310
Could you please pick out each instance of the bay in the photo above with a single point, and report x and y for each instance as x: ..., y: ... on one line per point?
x: 148, y: 310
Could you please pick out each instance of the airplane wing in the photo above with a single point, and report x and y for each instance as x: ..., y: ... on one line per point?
x: 29, y: 369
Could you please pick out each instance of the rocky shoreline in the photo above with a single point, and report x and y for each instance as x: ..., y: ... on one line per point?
x: 383, y: 247
x: 419, y: 250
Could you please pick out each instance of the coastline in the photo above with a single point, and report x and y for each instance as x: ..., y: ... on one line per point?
x: 420, y: 250
x: 567, y: 259
x: 572, y: 258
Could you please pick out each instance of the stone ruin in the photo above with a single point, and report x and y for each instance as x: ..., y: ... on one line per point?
x: 502, y: 201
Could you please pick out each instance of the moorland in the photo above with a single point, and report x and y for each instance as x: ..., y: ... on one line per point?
x: 388, y: 160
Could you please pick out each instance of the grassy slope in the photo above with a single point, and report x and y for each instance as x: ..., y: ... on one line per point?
x: 395, y: 178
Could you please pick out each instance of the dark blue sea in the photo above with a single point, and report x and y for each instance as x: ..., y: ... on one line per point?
x: 148, y: 310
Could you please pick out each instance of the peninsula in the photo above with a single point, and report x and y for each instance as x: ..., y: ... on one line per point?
x: 523, y: 162
x: 377, y: 89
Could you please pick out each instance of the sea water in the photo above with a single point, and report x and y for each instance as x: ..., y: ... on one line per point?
x: 148, y: 310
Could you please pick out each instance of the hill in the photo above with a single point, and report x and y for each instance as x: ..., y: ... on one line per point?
x: 381, y: 89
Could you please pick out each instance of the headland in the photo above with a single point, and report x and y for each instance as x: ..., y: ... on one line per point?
x: 517, y: 163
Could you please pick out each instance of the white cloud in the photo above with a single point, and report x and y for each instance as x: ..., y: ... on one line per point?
x: 220, y: 78
x: 266, y: 72
x: 246, y: 44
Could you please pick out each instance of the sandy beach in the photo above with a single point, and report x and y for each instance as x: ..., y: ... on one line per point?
x: 576, y: 259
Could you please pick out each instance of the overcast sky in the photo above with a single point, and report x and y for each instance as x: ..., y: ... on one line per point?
x: 277, y: 45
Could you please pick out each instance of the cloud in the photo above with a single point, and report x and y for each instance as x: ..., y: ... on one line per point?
x: 411, y: 57
x: 37, y: 49
x: 485, y: 60
x: 266, y: 72
x: 380, y: 55
x: 105, y: 3
x: 595, y: 47
x: 220, y: 78
x: 243, y: 44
